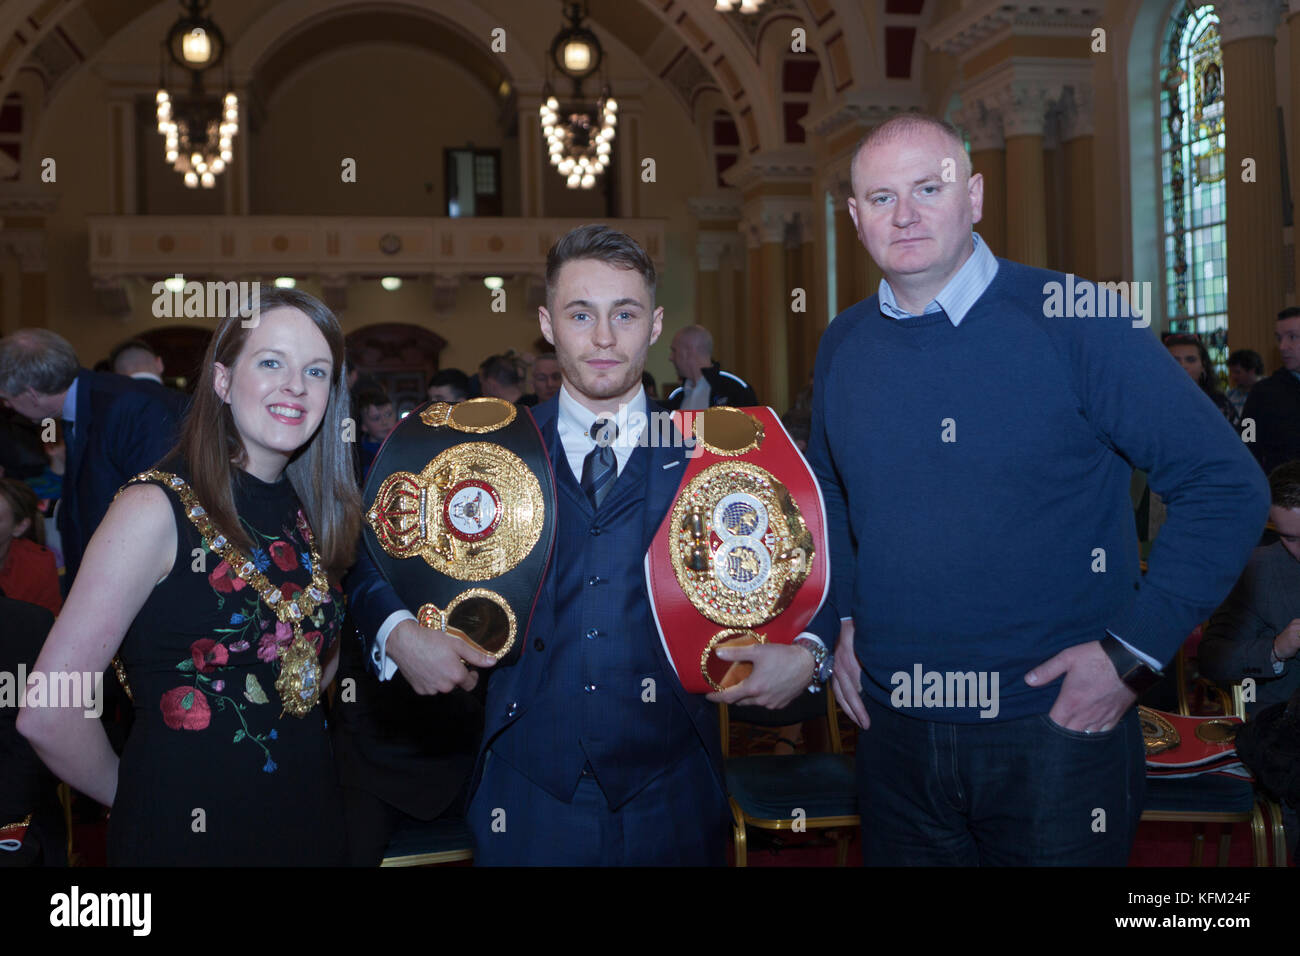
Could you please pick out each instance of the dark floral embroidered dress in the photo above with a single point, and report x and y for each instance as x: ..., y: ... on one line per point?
x: 212, y: 773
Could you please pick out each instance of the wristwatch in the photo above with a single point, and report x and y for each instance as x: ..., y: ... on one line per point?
x: 1135, y: 674
x: 823, y: 660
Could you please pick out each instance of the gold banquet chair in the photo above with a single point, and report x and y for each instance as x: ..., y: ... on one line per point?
x: 1211, y: 798
x: 430, y: 844
x: 765, y: 790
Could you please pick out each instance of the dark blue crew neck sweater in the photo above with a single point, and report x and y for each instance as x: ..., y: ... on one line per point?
x: 976, y: 483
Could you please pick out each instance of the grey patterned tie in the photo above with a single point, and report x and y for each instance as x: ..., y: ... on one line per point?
x: 600, y: 467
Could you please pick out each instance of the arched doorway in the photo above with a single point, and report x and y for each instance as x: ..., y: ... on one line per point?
x: 181, y: 348
x: 399, y: 358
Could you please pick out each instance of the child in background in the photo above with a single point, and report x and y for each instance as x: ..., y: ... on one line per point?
x: 27, y: 569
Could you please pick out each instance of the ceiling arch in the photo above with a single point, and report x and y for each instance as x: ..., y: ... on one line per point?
x: 348, y: 26
x: 464, y: 27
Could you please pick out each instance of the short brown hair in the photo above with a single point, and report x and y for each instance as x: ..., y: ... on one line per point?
x: 599, y: 242
x: 1284, y: 485
x: 910, y: 122
x: 25, y: 505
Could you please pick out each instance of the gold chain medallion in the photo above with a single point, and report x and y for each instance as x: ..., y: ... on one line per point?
x: 473, y: 513
x: 300, y: 670
x: 740, y: 548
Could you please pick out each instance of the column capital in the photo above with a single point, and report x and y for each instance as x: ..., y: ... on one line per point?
x: 718, y: 206
x: 28, y: 246
x: 982, y: 122
x: 769, y: 218
x: 711, y: 245
x: 1076, y: 111
x: 1241, y: 19
x: 839, y: 183
x: 27, y: 199
x: 784, y: 166
x: 863, y: 109
x: 1023, y: 106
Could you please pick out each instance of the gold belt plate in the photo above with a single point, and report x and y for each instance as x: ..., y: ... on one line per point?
x: 473, y: 513
x: 739, y: 546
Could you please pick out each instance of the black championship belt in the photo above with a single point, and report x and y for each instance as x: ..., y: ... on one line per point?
x: 460, y: 518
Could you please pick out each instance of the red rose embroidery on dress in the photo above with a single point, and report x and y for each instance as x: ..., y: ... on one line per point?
x: 185, y: 708
x: 268, y: 647
x: 223, y: 579
x: 208, y: 655
x: 282, y: 553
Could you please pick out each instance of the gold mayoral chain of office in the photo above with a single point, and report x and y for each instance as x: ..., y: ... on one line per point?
x: 299, y: 682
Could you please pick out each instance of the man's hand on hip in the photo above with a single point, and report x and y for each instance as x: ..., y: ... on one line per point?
x: 847, y: 679
x: 434, y: 662
x: 1092, y: 697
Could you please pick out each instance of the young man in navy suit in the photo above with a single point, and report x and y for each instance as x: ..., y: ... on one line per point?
x: 592, y: 753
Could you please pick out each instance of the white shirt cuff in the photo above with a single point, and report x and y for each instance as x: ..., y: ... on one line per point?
x: 379, y: 653
x: 1146, y: 659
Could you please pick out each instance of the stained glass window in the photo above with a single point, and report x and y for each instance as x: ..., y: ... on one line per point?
x: 1192, y: 172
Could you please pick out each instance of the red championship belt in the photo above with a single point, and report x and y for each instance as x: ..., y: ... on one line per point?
x: 741, y: 557
x: 1180, y: 746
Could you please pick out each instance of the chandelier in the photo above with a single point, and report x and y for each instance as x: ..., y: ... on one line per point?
x: 198, y: 128
x: 746, y: 6
x: 579, y: 132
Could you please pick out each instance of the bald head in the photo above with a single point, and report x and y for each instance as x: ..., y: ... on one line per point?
x: 691, y: 351
x: 907, y: 124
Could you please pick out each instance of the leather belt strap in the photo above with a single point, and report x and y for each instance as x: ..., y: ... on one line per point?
x: 460, y: 518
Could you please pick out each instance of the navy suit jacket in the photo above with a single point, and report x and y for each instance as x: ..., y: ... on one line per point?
x: 123, y: 427
x: 513, y: 684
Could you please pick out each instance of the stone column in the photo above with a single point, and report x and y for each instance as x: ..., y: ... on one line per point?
x: 1053, y: 174
x: 533, y: 162
x: 767, y: 222
x: 1023, y: 107
x: 1254, y: 208
x: 1079, y: 194
x: 628, y: 151
x: 850, y: 273
x: 983, y: 125
x: 122, y: 154
x: 28, y: 245
x: 717, y: 250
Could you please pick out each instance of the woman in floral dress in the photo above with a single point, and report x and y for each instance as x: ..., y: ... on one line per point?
x: 213, y: 581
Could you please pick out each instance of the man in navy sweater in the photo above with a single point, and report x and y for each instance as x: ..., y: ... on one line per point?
x: 995, y: 627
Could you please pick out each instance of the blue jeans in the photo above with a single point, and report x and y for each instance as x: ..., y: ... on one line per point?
x: 1023, y: 792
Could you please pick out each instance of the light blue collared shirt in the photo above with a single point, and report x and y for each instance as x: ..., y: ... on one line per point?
x: 70, y: 403
x: 961, y: 292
